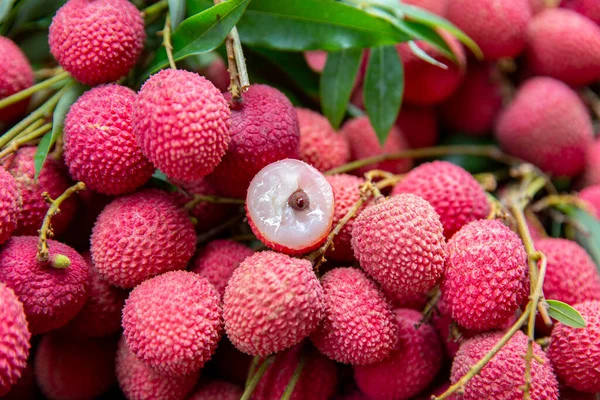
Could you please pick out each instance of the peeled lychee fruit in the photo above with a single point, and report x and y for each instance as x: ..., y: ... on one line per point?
x: 504, y: 375
x: 547, y: 125
x: 419, y: 125
x: 588, y: 8
x: 139, y: 236
x: 320, y: 145
x: 15, y: 75
x: 100, y: 147
x: 271, y: 303
x: 591, y: 195
x: 435, y: 6
x: 181, y: 121
x: 10, y: 205
x: 410, y: 368
x: 217, y: 261
x: 498, y: 27
x: 51, y: 296
x: 486, y: 279
x: 453, y: 192
x: 359, y: 326
x: 14, y: 339
x: 399, y: 242
x: 564, y: 45
x: 217, y: 390
x: 264, y: 129
x: 290, y: 206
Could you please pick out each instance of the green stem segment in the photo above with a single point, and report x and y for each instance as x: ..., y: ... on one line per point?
x: 289, y: 389
x: 151, y: 13
x: 257, y: 377
x: 27, y: 136
x: 23, y: 94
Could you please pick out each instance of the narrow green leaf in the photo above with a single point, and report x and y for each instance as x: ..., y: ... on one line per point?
x: 194, y: 7
x: 419, y: 52
x: 5, y: 7
x: 176, y: 12
x: 337, y: 81
x: 564, y: 313
x: 161, y: 181
x: 383, y: 89
x: 429, y: 35
x: 587, y: 230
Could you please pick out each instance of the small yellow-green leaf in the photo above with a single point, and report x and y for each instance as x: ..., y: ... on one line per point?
x: 564, y: 313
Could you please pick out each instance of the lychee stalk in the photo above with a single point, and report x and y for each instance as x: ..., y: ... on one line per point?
x: 23, y: 94
x: 198, y: 198
x: 151, y: 13
x: 26, y: 137
x: 256, y: 377
x: 289, y: 389
x: 166, y: 33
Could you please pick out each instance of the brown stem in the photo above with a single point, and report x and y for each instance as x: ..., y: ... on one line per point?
x: 166, y: 33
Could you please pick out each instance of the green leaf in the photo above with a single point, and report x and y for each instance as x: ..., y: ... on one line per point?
x: 298, y: 25
x: 194, y: 7
x: 383, y: 88
x: 564, y: 313
x: 176, y: 12
x: 5, y: 7
x: 419, y: 52
x: 587, y: 230
x: 202, y: 32
x: 337, y: 81
x: 161, y: 181
x: 429, y: 35
x: 473, y: 164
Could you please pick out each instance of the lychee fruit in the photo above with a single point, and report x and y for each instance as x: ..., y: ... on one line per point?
x: 217, y: 390
x: 504, y: 375
x: 454, y: 194
x: 10, y: 205
x: 419, y: 125
x: 229, y: 363
x: 441, y: 319
x: 264, y: 129
x: 410, y: 368
x: 564, y: 45
x: 435, y: 6
x: 591, y: 173
x: 353, y: 302
x: 498, y: 27
x: 290, y: 206
x: 547, y: 125
x: 140, y: 236
x: 217, y: 73
x: 139, y: 382
x: 591, y: 195
x: 271, y: 303
x: 217, y: 261
x: 403, y: 300
x: 100, y: 147
x: 320, y: 145
x: 486, y: 278
x: 399, y: 242
x: 51, y: 296
x: 538, y: 6
x: 14, y: 339
x: 91, y: 205
x: 181, y: 121
x: 316, y: 59
x: 97, y: 41
x: 15, y: 75
x: 588, y: 8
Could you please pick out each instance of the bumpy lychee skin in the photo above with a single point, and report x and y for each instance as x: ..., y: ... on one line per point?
x: 97, y: 41
x: 497, y: 27
x: 217, y: 261
x: 320, y: 145
x: 453, y: 192
x: 419, y: 125
x: 352, y: 303
x: 399, y: 242
x: 140, y: 236
x: 547, y: 125
x: 52, y: 179
x: 181, y: 121
x: 10, y: 205
x: 100, y: 147
x: 14, y: 339
x: 139, y: 382
x: 271, y: 303
x: 15, y: 75
x: 486, y: 278
x: 588, y: 8
x: 504, y: 375
x: 51, y: 296
x: 217, y: 390
x: 564, y: 45
x: 410, y: 368
x: 264, y: 129
x: 591, y: 195
x: 290, y: 206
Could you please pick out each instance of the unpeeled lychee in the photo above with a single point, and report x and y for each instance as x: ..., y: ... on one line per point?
x: 217, y: 73
x: 419, y: 125
x: 591, y: 173
x: 588, y: 8
x: 10, y: 205
x: 591, y: 195
x: 15, y: 75
x: 217, y: 390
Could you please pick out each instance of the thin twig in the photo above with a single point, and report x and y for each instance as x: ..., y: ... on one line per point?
x: 289, y: 389
x: 256, y: 377
x: 197, y: 198
x: 151, y: 13
x: 23, y: 94
x: 45, y: 73
x: 26, y: 137
x: 553, y: 200
x: 252, y: 370
x: 218, y: 229
x: 166, y: 33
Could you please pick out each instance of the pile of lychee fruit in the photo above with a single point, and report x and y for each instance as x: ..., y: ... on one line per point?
x: 264, y: 265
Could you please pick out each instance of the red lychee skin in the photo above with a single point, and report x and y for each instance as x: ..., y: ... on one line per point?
x: 564, y: 45
x: 217, y: 390
x: 438, y: 7
x: 419, y: 125
x: 229, y: 363
x: 486, y: 279
x: 15, y: 75
x: 498, y: 27
x: 504, y: 375
x: 591, y: 174
x: 217, y: 261
x: 591, y: 195
x: 537, y: 6
x: 217, y: 73
x: 316, y: 59
x: 139, y: 382
x: 91, y: 205
x: 320, y: 145
x: 97, y: 41
x: 100, y: 147
x: 51, y: 296
x: 364, y: 143
x: 14, y: 339
x: 10, y: 205
x: 453, y: 192
x: 410, y: 368
x: 75, y: 369
x: 359, y: 327
x: 588, y: 8
x: 427, y: 84
x: 181, y: 121
x: 398, y: 241
x: 442, y: 322
x: 140, y: 236
x: 271, y: 303
x: 264, y: 129
x: 52, y: 179
x: 474, y: 107
x: 547, y: 125
x: 403, y: 300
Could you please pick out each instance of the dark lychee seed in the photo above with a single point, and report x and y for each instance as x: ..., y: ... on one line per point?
x: 299, y: 200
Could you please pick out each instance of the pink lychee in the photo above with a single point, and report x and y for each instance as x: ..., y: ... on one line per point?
x: 591, y: 173
x: 217, y: 390
x: 15, y: 75
x: 217, y: 73
x: 591, y: 195
x: 10, y: 205
x: 588, y: 8
x: 419, y: 125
